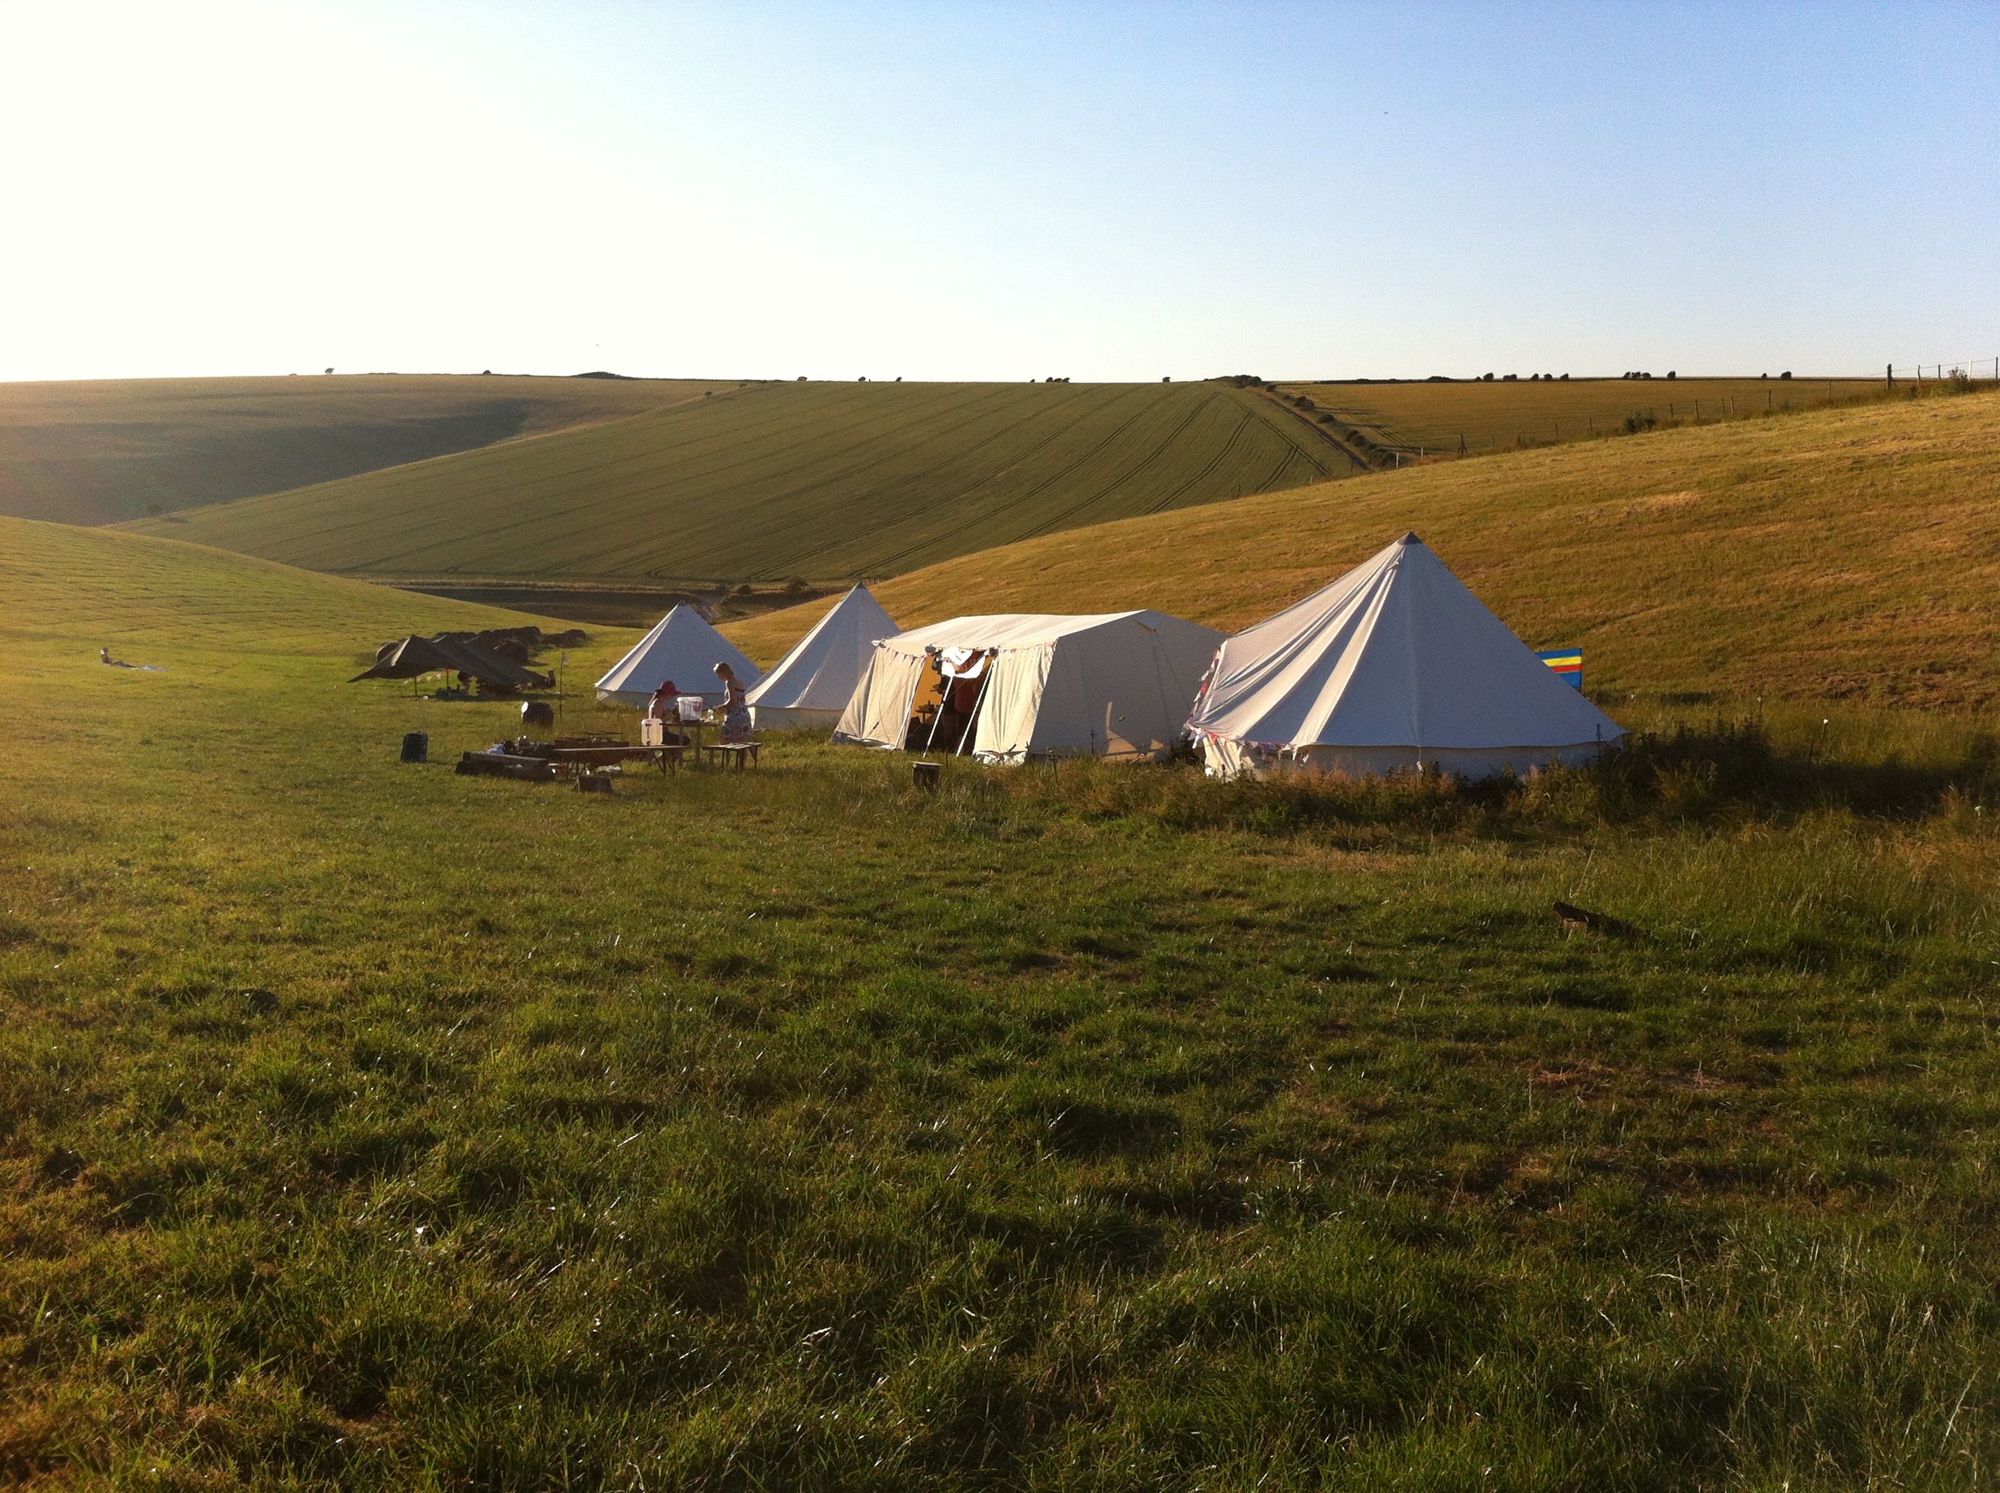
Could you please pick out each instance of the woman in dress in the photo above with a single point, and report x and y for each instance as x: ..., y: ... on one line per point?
x: 735, y: 713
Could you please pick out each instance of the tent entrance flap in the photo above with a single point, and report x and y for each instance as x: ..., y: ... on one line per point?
x: 944, y: 710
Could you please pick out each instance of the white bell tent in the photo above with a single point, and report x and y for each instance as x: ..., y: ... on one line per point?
x: 681, y: 647
x: 1394, y: 666
x: 810, y: 688
x: 1009, y: 687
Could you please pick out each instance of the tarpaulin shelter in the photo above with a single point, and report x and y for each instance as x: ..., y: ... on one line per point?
x: 1394, y: 666
x: 1008, y: 687
x: 812, y: 685
x: 416, y: 655
x: 681, y: 647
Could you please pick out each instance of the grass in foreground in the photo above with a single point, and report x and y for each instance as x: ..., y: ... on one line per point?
x: 365, y: 1126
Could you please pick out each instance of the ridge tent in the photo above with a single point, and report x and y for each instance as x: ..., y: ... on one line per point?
x: 416, y: 655
x: 1009, y: 687
x: 681, y: 647
x: 813, y: 684
x: 1395, y: 665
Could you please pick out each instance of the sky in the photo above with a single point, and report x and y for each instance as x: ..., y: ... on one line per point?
x: 962, y: 190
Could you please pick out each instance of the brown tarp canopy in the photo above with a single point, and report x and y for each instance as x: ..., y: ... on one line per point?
x: 417, y: 655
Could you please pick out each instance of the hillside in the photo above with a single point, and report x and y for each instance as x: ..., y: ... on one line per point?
x: 201, y: 615
x: 101, y: 452
x: 1840, y: 553
x: 365, y: 1126
x: 1477, y: 417
x: 815, y: 480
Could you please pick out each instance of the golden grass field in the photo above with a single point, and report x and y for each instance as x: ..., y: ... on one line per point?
x: 100, y: 452
x: 1848, y: 553
x: 363, y: 1126
x: 1433, y: 418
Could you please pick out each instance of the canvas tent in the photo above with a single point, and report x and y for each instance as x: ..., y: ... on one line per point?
x: 415, y: 655
x: 681, y: 647
x: 813, y: 684
x: 1394, y: 666
x: 1004, y: 688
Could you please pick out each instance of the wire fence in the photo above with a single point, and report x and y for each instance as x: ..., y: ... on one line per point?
x: 1968, y: 369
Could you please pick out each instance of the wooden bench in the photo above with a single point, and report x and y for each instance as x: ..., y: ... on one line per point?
x: 724, y: 752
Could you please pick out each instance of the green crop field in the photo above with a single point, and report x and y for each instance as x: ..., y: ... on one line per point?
x: 778, y: 480
x: 1850, y: 553
x: 364, y: 1126
x: 93, y: 453
x: 1433, y: 418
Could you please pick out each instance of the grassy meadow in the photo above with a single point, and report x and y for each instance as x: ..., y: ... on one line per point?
x: 778, y: 480
x: 1502, y: 416
x: 101, y: 452
x: 1848, y: 554
x: 364, y: 1126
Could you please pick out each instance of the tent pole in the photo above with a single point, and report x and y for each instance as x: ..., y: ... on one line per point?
x: 972, y: 721
x: 935, y: 658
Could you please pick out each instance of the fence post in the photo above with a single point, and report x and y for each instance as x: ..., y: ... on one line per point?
x: 1889, y: 375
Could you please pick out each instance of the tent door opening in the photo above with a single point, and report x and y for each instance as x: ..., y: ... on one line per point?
x: 946, y: 704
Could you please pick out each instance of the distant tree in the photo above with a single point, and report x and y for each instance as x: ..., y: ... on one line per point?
x: 486, y: 373
x: 1763, y: 376
x: 329, y: 370
x: 1486, y: 378
x: 1786, y: 374
x: 1670, y: 373
x: 802, y: 378
x: 745, y: 589
x: 796, y: 586
x: 862, y: 380
x: 899, y: 378
x: 1168, y: 379
x: 1511, y: 378
x: 1565, y: 378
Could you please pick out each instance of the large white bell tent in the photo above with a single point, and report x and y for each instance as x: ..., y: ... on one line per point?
x: 1394, y: 666
x: 811, y: 687
x: 1005, y: 688
x: 681, y: 647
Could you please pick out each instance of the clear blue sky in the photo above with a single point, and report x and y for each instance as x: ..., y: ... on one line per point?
x: 958, y: 190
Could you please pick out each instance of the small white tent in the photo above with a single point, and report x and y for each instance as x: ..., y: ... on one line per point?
x: 1396, y: 665
x: 810, y: 688
x: 1009, y: 687
x: 683, y: 648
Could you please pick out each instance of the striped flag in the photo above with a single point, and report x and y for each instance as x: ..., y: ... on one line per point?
x: 1568, y: 664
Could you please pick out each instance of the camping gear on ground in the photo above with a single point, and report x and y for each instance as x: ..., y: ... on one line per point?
x: 537, y: 713
x: 1395, y: 666
x: 1009, y: 687
x: 414, y: 656
x: 498, y: 764
x: 811, y: 686
x: 417, y: 746
x: 682, y: 647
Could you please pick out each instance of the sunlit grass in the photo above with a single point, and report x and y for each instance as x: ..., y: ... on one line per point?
x: 362, y: 1125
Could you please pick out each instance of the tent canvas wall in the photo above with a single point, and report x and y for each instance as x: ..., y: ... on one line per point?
x: 812, y: 685
x: 1394, y: 666
x: 1114, y: 684
x: 681, y: 647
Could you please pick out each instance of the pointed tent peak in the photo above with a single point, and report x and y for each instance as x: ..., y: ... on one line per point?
x: 1411, y: 538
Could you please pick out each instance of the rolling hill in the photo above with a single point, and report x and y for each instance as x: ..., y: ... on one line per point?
x: 101, y: 452
x: 1479, y: 417
x: 1838, y: 553
x: 776, y: 480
